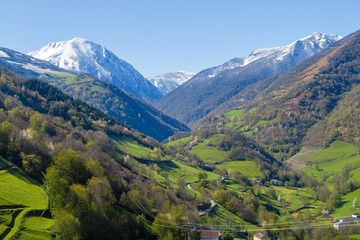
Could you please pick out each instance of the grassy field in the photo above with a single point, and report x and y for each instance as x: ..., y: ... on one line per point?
x: 179, y: 142
x: 247, y: 168
x: 177, y: 169
x: 234, y: 113
x: 347, y: 208
x: 207, y: 152
x: 133, y: 148
x: 294, y: 198
x: 326, y: 163
x: 223, y: 217
x: 35, y: 227
x: 19, y: 196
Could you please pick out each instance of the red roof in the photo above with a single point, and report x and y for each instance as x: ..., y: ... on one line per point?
x: 209, y: 234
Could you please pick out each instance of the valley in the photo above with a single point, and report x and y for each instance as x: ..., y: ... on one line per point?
x: 273, y: 151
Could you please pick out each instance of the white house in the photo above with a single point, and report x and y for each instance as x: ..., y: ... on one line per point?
x: 261, y: 236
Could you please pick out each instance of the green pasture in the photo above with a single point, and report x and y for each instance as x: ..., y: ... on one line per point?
x: 207, y: 150
x: 19, y: 196
x: 179, y: 142
x: 132, y: 147
x: 247, y: 168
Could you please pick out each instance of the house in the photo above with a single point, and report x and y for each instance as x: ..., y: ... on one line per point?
x: 356, y: 215
x: 209, y: 235
x: 275, y: 181
x: 348, y: 220
x: 261, y: 236
x: 337, y: 225
x: 344, y: 221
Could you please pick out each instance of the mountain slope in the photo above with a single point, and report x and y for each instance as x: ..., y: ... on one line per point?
x: 100, y: 94
x: 312, y: 107
x: 169, y: 81
x: 83, y: 56
x: 214, y: 86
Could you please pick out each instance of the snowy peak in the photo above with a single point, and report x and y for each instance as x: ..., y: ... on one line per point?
x: 297, y: 51
x: 169, y: 81
x: 83, y: 56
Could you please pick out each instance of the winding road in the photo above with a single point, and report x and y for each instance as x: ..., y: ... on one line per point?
x: 213, y: 204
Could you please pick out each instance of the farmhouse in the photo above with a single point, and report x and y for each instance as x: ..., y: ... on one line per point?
x: 261, y: 236
x: 275, y: 181
x: 209, y: 235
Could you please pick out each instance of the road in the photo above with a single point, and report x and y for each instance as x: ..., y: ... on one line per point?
x: 213, y: 204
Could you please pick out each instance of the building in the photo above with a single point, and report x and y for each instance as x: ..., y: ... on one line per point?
x: 275, y: 181
x: 348, y: 220
x: 337, y: 225
x: 356, y: 215
x: 209, y: 235
x: 345, y: 221
x: 261, y: 236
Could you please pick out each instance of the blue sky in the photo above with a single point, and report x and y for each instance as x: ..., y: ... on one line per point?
x: 158, y: 36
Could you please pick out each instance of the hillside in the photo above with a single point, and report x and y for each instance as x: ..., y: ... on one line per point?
x: 66, y: 145
x: 103, y: 180
x: 309, y: 107
x: 208, y: 91
x: 83, y: 56
x: 105, y: 96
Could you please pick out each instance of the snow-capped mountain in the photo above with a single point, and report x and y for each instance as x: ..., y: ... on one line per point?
x: 102, y: 95
x: 169, y: 81
x: 211, y: 88
x: 291, y: 54
x: 83, y: 56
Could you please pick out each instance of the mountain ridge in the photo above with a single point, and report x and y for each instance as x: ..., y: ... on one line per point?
x: 214, y: 86
x: 84, y: 56
x: 167, y: 82
x: 308, y: 106
x: 103, y: 95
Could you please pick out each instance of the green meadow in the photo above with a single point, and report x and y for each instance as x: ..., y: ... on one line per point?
x: 207, y: 150
x: 20, y: 197
x: 133, y: 148
x: 247, y: 168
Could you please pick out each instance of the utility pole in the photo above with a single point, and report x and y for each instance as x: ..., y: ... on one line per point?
x: 187, y: 231
x: 191, y: 232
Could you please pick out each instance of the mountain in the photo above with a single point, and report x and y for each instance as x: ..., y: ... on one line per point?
x: 313, y: 104
x: 78, y: 153
x: 169, y: 81
x: 103, y: 95
x: 213, y: 87
x: 83, y: 56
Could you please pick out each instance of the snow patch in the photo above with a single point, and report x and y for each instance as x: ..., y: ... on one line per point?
x: 3, y: 54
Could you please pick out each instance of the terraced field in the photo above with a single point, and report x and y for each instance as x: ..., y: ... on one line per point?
x: 22, y: 205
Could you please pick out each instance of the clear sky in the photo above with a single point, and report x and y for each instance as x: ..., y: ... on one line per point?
x: 158, y: 36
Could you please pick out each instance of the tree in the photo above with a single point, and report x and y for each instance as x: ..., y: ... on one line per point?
x: 31, y: 164
x: 5, y: 133
x: 66, y: 226
x: 202, y: 175
x: 355, y: 202
x: 227, y: 236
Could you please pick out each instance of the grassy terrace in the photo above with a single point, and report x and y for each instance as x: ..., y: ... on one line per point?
x: 22, y: 202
